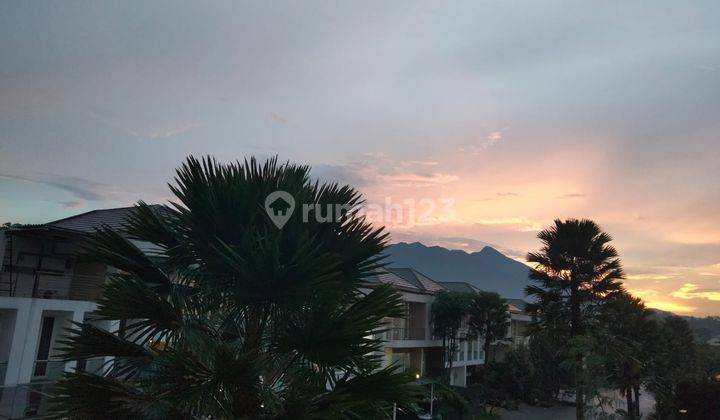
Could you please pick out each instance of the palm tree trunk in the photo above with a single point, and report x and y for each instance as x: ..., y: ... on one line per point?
x: 445, y: 372
x: 630, y: 406
x: 486, y: 349
x: 575, y: 330
x: 637, y: 401
x: 579, y: 404
x: 451, y: 356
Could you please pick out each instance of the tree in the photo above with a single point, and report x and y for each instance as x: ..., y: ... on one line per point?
x: 574, y: 273
x: 547, y: 352
x: 630, y: 336
x: 489, y: 318
x: 227, y: 316
x: 447, y: 313
x: 673, y: 363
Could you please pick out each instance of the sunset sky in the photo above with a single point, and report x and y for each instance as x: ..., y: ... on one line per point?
x: 515, y: 112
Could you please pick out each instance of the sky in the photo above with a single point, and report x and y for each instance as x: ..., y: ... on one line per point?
x: 490, y: 119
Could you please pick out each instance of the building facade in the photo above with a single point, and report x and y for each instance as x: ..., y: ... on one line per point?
x: 44, y: 288
x: 409, y: 340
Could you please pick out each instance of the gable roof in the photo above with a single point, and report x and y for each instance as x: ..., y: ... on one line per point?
x: 459, y: 286
x: 417, y: 279
x: 517, y: 303
x: 87, y: 222
x: 386, y: 277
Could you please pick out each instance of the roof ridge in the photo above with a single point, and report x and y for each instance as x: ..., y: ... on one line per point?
x: 86, y: 213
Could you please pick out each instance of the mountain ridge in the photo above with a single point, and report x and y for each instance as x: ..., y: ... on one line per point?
x: 487, y: 269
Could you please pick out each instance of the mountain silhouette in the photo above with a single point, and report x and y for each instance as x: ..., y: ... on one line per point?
x: 487, y: 269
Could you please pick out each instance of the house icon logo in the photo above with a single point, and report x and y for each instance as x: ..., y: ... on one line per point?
x: 279, y: 205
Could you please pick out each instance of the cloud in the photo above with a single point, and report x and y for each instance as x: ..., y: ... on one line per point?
x: 278, y: 118
x: 709, y: 67
x: 78, y: 187
x: 149, y: 130
x: 693, y: 291
x: 487, y: 142
x: 70, y: 204
x: 377, y: 169
x: 572, y: 195
x: 169, y: 132
x: 648, y: 277
x: 654, y: 299
x: 493, y: 138
x: 419, y: 162
x: 418, y: 179
x: 520, y: 224
x: 507, y: 194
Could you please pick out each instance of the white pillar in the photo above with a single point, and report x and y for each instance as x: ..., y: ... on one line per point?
x: 29, y: 336
x: 17, y: 348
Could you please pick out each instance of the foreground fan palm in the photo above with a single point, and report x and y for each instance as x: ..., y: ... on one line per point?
x: 230, y: 317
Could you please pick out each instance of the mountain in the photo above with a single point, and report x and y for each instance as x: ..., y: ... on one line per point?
x: 704, y: 329
x: 487, y: 269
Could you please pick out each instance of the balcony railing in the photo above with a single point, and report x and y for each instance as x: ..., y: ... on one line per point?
x: 399, y: 334
x: 52, y: 285
x: 94, y: 365
x: 48, y: 370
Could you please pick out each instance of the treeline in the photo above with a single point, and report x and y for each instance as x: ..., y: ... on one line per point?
x: 591, y: 340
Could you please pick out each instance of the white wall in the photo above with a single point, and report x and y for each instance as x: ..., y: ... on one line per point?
x: 26, y: 332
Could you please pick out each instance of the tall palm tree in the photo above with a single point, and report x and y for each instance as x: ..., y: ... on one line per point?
x: 574, y: 273
x: 489, y: 318
x: 227, y: 316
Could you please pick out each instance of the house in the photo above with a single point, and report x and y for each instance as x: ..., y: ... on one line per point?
x: 44, y: 288
x: 519, y: 321
x: 409, y: 340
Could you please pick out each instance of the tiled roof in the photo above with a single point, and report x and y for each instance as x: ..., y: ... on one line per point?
x: 87, y: 222
x: 459, y: 286
x: 518, y: 303
x: 417, y: 279
x: 392, y: 279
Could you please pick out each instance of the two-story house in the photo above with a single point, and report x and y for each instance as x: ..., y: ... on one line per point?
x: 44, y: 288
x: 409, y: 340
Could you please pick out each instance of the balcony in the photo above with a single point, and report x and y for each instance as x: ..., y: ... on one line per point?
x: 48, y: 370
x: 46, y: 284
x: 401, y: 334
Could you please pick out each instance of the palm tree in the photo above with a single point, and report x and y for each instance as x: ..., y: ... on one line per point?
x: 227, y: 316
x: 447, y: 313
x: 489, y: 318
x: 575, y: 272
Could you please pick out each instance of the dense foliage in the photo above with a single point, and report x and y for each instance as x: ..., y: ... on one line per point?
x: 227, y: 316
x: 448, y: 312
x: 592, y: 337
x: 489, y: 318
